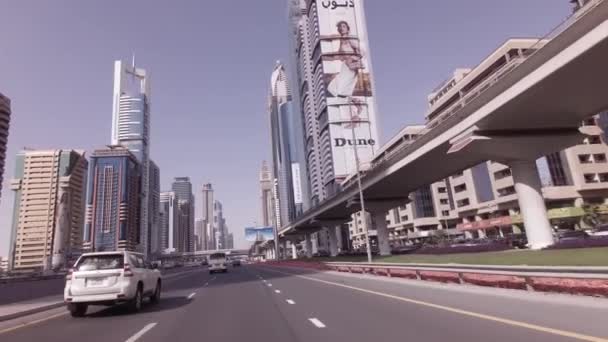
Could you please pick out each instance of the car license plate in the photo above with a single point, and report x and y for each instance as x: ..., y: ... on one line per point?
x: 95, y: 281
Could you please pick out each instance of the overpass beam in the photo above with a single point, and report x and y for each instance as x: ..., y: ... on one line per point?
x: 532, y: 204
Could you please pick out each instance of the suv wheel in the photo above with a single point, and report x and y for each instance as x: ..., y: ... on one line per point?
x: 137, y: 301
x: 77, y: 309
x: 156, y: 296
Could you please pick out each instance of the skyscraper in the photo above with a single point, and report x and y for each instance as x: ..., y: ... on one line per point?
x: 169, y: 223
x: 287, y: 149
x: 219, y: 224
x: 154, y: 210
x: 230, y: 241
x: 48, y: 213
x: 5, y: 118
x: 208, y: 234
x: 131, y: 129
x: 199, y: 231
x: 185, y: 199
x: 266, y: 197
x: 335, y: 90
x: 113, y: 201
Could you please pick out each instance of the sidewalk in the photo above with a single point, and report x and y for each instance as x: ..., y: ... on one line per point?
x: 15, y: 310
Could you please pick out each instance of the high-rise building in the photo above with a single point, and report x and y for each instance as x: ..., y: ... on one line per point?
x: 230, y: 241
x: 199, y: 231
x: 131, y: 129
x: 267, y: 202
x: 287, y: 149
x: 48, y: 212
x: 113, y: 201
x: 335, y: 90
x: 219, y: 223
x: 169, y: 223
x: 185, y: 200
x: 153, y: 209
x: 208, y: 233
x: 5, y: 118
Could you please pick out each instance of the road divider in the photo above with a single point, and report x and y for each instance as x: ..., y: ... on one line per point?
x: 590, y: 281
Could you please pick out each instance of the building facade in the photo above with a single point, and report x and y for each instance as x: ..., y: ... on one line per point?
x: 169, y: 223
x: 219, y: 224
x: 113, y: 203
x: 48, y: 212
x: 182, y: 187
x: 131, y: 129
x: 154, y: 245
x: 207, y: 234
x: 5, y: 118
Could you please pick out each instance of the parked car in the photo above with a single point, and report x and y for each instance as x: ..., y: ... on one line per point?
x: 110, y: 278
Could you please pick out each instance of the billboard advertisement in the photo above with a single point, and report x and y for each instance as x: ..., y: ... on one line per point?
x: 351, y: 107
x: 257, y: 234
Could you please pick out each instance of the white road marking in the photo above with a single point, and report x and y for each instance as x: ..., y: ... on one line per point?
x: 264, y: 280
x: 317, y: 323
x: 192, y: 295
x: 289, y: 301
x: 141, y: 332
x: 269, y: 285
x: 462, y: 312
x: 33, y: 322
x: 277, y: 291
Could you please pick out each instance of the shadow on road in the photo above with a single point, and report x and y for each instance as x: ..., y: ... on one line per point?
x: 166, y: 303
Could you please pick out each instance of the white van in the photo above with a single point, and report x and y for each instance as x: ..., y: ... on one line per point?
x: 218, y: 263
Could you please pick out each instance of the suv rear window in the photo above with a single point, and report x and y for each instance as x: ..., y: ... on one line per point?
x: 217, y: 256
x: 100, y: 262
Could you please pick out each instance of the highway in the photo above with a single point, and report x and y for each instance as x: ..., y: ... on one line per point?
x: 262, y: 303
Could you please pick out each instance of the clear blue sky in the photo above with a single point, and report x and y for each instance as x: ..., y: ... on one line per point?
x: 210, y: 63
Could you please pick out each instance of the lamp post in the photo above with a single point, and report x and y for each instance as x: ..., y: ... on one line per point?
x: 361, y: 199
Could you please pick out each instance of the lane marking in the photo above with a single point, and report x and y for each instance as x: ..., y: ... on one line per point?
x: 192, y: 295
x: 264, y: 280
x: 269, y: 285
x: 289, y: 301
x: 506, y: 321
x: 317, y: 323
x: 141, y: 332
x: 277, y: 291
x: 27, y: 324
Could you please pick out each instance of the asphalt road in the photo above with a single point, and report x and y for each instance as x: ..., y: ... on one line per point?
x: 258, y: 303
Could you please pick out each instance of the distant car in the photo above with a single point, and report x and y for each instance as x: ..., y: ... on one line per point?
x: 236, y: 262
x: 217, y: 263
x: 109, y: 278
x: 566, y: 234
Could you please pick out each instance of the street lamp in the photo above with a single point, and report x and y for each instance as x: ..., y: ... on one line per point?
x: 357, y: 169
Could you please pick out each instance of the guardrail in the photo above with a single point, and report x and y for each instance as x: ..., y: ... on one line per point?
x: 592, y: 281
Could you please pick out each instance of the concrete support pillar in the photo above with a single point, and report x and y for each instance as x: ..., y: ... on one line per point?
x: 308, y: 245
x: 283, y: 252
x: 294, y: 250
x: 481, y: 233
x: 532, y: 204
x: 382, y: 232
x: 333, y: 241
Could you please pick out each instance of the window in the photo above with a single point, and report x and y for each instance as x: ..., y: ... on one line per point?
x: 599, y: 157
x: 589, y: 122
x: 502, y: 174
x: 463, y: 203
x: 590, y: 178
x: 443, y: 201
x: 460, y: 188
x: 584, y: 158
x: 445, y: 213
x: 603, y: 177
x: 405, y: 218
x: 442, y: 189
x: 458, y: 174
x: 510, y: 190
x: 594, y: 140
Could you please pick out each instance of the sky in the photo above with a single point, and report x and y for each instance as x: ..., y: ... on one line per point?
x: 210, y: 63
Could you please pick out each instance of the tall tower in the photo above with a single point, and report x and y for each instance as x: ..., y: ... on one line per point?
x: 5, y: 118
x: 208, y: 233
x: 336, y: 93
x: 266, y: 186
x: 131, y: 129
x: 182, y: 187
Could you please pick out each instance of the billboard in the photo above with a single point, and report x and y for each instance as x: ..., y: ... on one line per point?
x: 347, y: 74
x: 257, y: 234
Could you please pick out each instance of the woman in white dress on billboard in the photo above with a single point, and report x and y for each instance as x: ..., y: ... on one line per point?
x: 349, y: 52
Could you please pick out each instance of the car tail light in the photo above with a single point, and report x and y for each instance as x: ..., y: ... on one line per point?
x: 69, y: 275
x: 127, y: 271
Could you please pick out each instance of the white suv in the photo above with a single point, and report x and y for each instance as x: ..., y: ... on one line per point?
x: 108, y: 278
